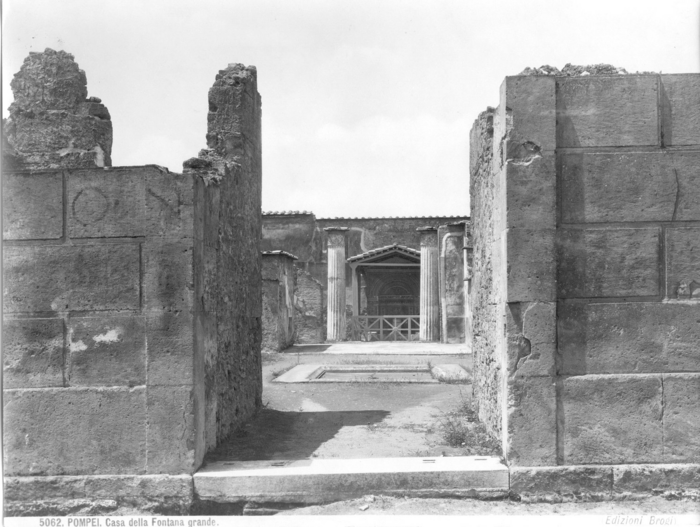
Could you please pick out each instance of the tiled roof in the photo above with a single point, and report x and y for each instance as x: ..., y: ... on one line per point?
x: 395, y: 217
x: 309, y: 213
x: 280, y: 253
x: 287, y: 213
x: 385, y: 250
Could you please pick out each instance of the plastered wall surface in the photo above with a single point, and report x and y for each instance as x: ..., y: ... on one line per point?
x: 279, y: 282
x: 594, y: 256
x: 451, y: 271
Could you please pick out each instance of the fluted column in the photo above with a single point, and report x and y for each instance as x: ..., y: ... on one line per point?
x: 336, y: 284
x: 429, y: 291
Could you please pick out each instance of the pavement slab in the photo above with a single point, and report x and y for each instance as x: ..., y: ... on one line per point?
x: 347, y: 420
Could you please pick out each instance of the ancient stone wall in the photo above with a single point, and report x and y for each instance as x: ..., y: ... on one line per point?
x: 295, y: 233
x: 132, y: 304
x: 98, y: 323
x: 486, y: 294
x: 597, y: 212
x: 229, y: 173
x: 278, y: 311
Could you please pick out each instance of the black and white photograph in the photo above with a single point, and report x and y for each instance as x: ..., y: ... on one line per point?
x: 360, y: 262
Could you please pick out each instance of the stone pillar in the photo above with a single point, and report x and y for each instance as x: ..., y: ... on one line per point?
x: 336, y: 284
x: 451, y: 276
x: 429, y: 290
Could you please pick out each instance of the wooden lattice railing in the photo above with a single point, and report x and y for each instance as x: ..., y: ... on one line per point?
x: 387, y: 327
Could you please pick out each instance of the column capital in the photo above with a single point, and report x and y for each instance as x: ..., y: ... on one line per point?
x: 428, y: 236
x: 456, y: 227
x: 336, y: 236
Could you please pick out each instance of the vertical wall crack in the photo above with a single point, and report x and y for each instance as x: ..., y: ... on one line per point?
x: 663, y: 409
x: 678, y: 195
x: 559, y: 419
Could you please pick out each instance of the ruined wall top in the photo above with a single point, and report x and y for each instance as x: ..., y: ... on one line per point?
x: 575, y: 70
x: 53, y: 123
x: 48, y: 81
x: 226, y: 125
x: 232, y: 129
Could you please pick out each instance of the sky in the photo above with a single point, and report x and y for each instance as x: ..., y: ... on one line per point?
x: 367, y: 105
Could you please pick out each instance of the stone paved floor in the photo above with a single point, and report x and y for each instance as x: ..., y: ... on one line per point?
x: 349, y: 420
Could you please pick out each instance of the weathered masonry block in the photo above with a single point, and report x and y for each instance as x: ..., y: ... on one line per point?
x: 586, y: 290
x: 117, y: 360
x: 95, y: 317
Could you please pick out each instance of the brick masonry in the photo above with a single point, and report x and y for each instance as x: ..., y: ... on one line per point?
x: 586, y: 217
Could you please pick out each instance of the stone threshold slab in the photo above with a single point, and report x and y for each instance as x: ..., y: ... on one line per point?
x: 374, y: 373
x: 324, y: 480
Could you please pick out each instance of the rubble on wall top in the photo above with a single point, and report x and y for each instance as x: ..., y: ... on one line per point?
x: 280, y: 253
x: 50, y: 80
x: 573, y: 70
x: 52, y: 122
x: 234, y: 91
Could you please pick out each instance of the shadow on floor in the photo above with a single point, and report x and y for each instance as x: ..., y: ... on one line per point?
x: 306, y: 348
x: 289, y: 435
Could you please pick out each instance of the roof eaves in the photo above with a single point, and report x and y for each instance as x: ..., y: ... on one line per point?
x: 385, y: 250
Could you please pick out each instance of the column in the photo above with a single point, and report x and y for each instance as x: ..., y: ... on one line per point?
x: 355, y: 274
x: 429, y: 291
x: 336, y: 284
